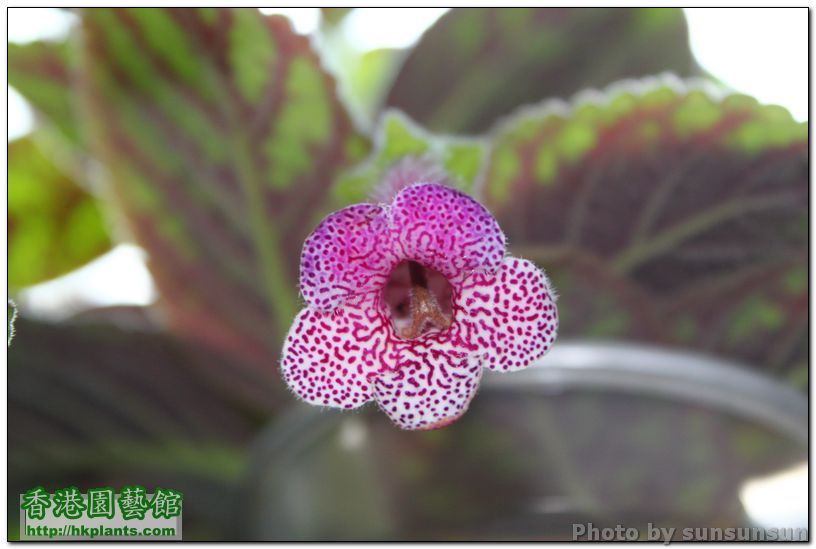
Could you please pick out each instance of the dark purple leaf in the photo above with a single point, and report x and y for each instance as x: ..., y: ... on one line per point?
x: 92, y: 405
x: 476, y: 64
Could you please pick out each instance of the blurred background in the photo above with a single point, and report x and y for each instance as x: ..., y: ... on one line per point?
x: 163, y: 173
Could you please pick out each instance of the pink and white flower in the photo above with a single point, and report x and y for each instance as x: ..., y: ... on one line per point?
x: 408, y: 302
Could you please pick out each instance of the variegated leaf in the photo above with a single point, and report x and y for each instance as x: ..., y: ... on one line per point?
x: 220, y: 133
x: 672, y: 186
x: 43, y: 72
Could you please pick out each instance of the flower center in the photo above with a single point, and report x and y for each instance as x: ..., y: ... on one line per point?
x: 419, y: 300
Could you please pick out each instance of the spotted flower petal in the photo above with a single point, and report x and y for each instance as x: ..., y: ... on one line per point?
x: 511, y: 315
x: 432, y: 387
x: 446, y: 230
x: 408, y: 302
x: 349, y: 253
x: 329, y: 358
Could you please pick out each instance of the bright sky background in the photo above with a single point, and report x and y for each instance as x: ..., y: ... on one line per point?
x: 759, y: 51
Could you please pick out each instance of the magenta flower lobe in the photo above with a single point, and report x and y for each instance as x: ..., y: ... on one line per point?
x: 408, y: 302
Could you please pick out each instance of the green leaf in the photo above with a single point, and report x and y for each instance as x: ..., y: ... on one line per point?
x: 477, y: 64
x: 55, y: 226
x: 367, y: 77
x: 220, y: 134
x: 43, y: 73
x: 331, y: 17
x: 398, y: 139
x: 12, y: 316
x: 364, y: 76
x: 672, y: 189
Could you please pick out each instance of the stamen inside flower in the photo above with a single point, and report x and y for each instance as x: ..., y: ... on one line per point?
x: 419, y: 300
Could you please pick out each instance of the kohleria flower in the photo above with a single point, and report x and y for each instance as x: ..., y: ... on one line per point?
x: 408, y: 302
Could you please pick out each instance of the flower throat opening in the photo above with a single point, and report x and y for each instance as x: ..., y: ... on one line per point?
x: 419, y: 300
